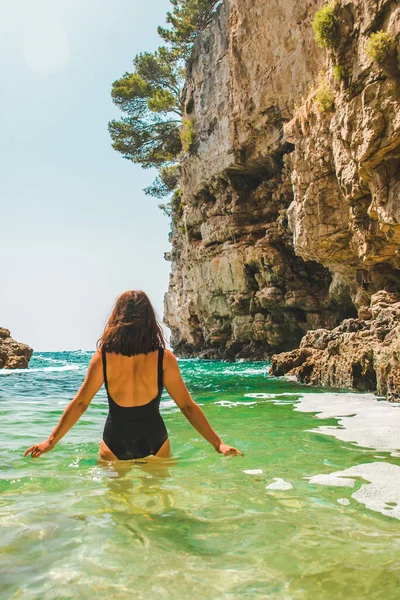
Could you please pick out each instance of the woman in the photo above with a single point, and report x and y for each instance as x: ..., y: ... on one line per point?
x: 132, y: 362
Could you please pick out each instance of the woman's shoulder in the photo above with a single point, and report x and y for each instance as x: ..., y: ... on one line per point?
x: 170, y: 360
x: 96, y: 359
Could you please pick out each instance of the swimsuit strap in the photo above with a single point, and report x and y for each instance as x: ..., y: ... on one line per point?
x: 160, y: 370
x: 103, y: 357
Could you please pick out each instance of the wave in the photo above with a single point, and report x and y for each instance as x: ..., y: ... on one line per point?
x: 46, y: 358
x: 249, y: 371
x: 41, y: 369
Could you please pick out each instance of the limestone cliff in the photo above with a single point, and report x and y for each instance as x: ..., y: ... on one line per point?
x: 290, y: 215
x: 13, y: 354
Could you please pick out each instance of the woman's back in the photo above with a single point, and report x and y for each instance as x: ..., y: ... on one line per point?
x: 134, y: 427
x: 132, y: 380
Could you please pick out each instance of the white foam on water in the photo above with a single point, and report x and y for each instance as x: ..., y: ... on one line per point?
x: 333, y: 480
x: 169, y: 405
x: 291, y: 378
x: 279, y: 484
x: 381, y: 493
x: 362, y: 419
x: 265, y: 395
x: 259, y: 395
x: 249, y: 371
x: 47, y: 358
x: 255, y: 371
x: 343, y: 501
x: 41, y: 369
x: 283, y: 398
x: 253, y: 471
x: 230, y: 404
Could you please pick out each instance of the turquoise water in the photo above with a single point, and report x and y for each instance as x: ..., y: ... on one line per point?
x: 312, y: 510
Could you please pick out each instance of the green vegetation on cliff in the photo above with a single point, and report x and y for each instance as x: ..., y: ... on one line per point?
x: 380, y: 46
x: 324, y: 97
x: 187, y: 134
x: 326, y: 26
x: 154, y: 129
x: 339, y: 73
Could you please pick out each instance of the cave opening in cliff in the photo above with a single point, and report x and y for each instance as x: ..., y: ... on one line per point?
x: 245, y: 180
x: 363, y: 378
x: 250, y: 273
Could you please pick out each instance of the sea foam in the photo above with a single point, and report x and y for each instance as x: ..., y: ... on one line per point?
x: 363, y: 419
x: 381, y: 493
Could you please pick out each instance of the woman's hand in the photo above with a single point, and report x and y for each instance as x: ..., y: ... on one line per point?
x: 228, y: 450
x: 39, y: 449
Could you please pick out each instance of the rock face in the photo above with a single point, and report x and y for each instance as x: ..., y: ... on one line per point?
x: 362, y: 353
x: 290, y: 215
x: 346, y: 162
x: 13, y: 354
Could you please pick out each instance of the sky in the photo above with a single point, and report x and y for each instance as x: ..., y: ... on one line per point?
x: 76, y: 229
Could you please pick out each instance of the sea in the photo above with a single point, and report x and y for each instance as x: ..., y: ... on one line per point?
x: 312, y: 510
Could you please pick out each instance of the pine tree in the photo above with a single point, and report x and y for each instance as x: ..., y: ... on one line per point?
x: 150, y: 97
x: 187, y: 18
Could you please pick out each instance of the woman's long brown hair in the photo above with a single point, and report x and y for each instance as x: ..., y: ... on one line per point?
x: 132, y: 327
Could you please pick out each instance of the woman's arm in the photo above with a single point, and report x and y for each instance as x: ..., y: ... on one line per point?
x: 178, y: 391
x: 75, y: 409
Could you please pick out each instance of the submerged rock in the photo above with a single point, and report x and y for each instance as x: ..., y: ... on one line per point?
x: 361, y: 354
x: 13, y: 354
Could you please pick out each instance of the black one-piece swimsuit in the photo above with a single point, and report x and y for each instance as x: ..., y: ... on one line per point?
x: 135, y: 431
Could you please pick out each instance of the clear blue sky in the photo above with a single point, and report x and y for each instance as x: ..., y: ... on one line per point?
x: 76, y: 228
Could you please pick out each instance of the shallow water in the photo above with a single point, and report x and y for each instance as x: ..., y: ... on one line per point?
x: 312, y: 510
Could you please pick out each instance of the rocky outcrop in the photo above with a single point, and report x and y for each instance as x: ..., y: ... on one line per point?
x: 361, y: 354
x: 289, y: 219
x: 13, y: 354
